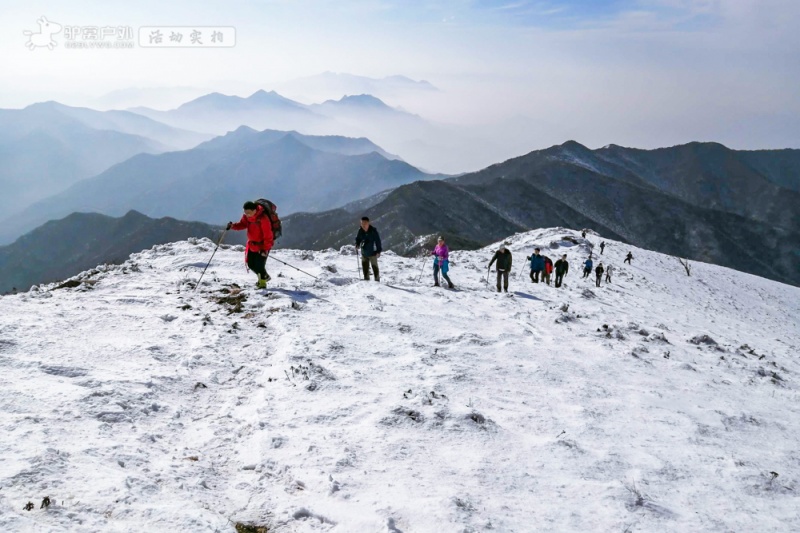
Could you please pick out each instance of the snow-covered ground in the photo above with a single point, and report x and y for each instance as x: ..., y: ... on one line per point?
x: 136, y: 404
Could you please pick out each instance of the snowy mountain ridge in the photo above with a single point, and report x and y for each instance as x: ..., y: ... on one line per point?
x: 658, y: 402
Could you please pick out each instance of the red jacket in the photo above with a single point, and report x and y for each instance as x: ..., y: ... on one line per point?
x: 259, y: 231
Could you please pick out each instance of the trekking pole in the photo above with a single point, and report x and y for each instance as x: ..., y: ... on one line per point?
x: 358, y: 262
x: 294, y: 267
x: 522, y: 269
x: 212, y: 257
x: 421, y: 270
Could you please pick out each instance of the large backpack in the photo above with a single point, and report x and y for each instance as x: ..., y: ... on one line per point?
x: 271, y: 210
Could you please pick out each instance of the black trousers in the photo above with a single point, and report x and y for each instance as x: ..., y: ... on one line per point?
x: 559, y: 278
x: 366, y: 262
x: 436, y: 270
x: 257, y: 263
x: 597, y: 281
x: 502, y: 275
x: 535, y: 276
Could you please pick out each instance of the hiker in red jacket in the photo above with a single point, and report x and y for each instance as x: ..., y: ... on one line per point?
x: 259, y: 240
x: 548, y: 269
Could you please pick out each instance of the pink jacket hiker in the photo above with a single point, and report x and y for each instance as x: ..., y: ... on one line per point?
x: 441, y: 252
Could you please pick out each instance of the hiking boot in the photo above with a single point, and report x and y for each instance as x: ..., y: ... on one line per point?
x: 262, y: 284
x: 435, y: 284
x: 450, y: 286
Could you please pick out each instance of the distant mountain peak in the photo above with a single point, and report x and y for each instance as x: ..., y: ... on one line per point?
x: 574, y: 145
x: 212, y: 96
x: 242, y: 130
x: 708, y: 145
x: 215, y: 99
x: 362, y: 100
x: 268, y: 96
x: 133, y: 214
x: 292, y: 140
x: 259, y: 98
x: 49, y: 104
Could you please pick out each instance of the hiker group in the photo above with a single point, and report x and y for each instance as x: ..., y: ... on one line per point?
x: 263, y: 226
x: 541, y: 267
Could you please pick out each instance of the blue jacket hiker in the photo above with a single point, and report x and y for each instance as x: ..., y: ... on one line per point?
x: 537, y: 265
x: 587, y: 268
x: 369, y: 242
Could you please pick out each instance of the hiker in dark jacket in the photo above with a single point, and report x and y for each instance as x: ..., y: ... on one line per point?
x: 503, y: 258
x: 587, y: 267
x: 369, y: 242
x: 537, y: 265
x: 599, y: 273
x: 602, y: 247
x: 548, y: 269
x: 562, y: 267
x: 259, y: 240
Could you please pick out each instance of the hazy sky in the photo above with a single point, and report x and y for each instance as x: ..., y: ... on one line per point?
x: 633, y: 72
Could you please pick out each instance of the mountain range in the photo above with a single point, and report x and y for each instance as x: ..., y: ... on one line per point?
x: 45, y: 148
x: 351, y: 115
x: 315, y: 88
x: 700, y: 201
x: 218, y: 113
x: 210, y: 182
x: 423, y: 143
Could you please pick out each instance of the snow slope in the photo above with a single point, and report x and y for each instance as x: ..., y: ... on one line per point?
x: 136, y: 404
